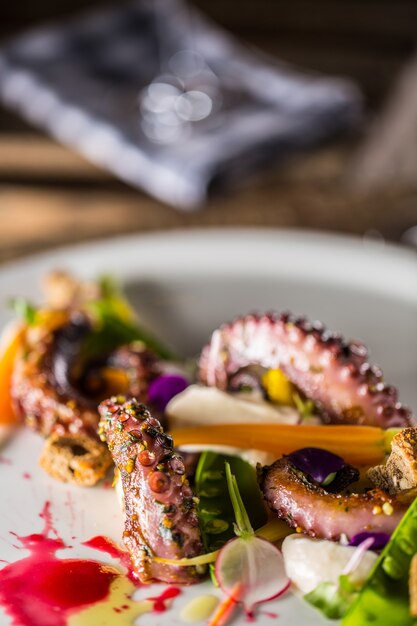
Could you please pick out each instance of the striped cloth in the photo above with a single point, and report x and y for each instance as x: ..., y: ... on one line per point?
x: 86, y: 82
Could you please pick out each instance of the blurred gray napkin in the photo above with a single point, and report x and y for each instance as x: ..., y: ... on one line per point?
x: 166, y: 100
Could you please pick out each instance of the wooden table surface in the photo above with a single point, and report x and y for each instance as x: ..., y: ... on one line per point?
x: 49, y: 196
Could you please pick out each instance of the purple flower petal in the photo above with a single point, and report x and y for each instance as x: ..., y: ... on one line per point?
x: 380, y: 539
x: 316, y: 462
x: 162, y: 389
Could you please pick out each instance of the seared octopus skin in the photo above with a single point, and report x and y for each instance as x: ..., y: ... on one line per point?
x: 160, y: 510
x: 37, y: 394
x: 335, y: 374
x: 307, y: 506
x: 43, y: 389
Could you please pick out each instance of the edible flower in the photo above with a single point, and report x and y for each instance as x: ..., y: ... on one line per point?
x: 163, y: 388
x: 320, y: 464
x: 380, y: 539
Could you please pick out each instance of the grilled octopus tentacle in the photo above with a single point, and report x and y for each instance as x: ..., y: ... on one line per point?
x: 333, y: 373
x: 37, y: 385
x: 160, y: 510
x: 305, y: 505
x: 57, y: 392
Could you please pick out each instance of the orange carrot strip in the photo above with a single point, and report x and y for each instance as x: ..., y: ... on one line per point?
x: 226, y: 608
x: 362, y: 445
x: 223, y: 612
x: 7, y: 359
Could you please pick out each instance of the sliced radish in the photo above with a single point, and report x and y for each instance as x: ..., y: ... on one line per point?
x: 251, y: 570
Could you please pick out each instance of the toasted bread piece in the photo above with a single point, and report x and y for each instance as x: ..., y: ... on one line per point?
x: 62, y: 290
x: 400, y: 471
x: 78, y: 459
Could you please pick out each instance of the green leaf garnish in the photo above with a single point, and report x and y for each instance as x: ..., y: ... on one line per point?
x: 109, y: 288
x: 384, y: 599
x: 214, y: 500
x: 333, y: 599
x: 243, y: 527
x: 25, y: 309
x: 115, y: 329
x: 304, y: 407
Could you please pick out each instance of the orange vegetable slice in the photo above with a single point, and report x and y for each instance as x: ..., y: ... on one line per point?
x: 11, y: 345
x: 359, y: 445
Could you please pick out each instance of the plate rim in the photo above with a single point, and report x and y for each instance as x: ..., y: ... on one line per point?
x: 167, y: 234
x: 333, y: 258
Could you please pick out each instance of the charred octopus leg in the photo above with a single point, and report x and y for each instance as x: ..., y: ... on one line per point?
x: 307, y: 506
x: 56, y: 387
x: 160, y: 510
x: 335, y: 374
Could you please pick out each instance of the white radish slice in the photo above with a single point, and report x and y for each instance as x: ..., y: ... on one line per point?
x: 251, y: 570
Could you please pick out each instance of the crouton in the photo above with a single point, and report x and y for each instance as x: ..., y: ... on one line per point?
x: 400, y: 471
x: 78, y: 459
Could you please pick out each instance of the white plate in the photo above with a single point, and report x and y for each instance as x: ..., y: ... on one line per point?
x: 185, y: 284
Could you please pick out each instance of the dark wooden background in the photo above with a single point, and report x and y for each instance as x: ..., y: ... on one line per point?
x: 50, y: 196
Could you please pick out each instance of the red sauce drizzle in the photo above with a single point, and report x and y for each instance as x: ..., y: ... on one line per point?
x: 42, y: 590
x: 250, y: 616
x: 104, y: 544
x: 46, y: 515
x: 5, y: 461
x: 159, y: 602
x: 26, y: 476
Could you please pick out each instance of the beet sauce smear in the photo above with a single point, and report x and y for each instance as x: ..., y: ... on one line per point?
x: 42, y: 590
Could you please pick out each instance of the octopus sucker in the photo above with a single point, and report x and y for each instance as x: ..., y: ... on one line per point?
x: 160, y: 508
x: 332, y: 372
